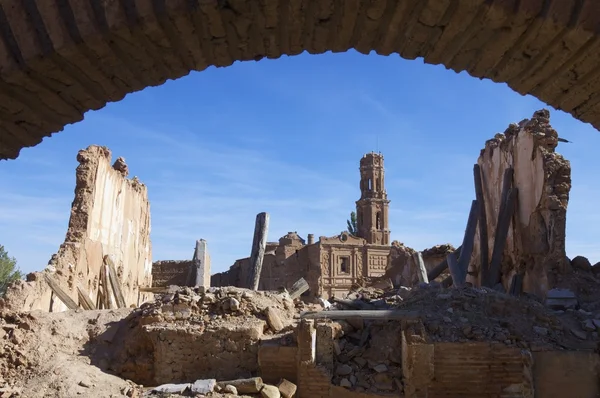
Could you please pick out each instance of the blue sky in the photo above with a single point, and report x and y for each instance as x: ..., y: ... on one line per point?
x: 285, y: 136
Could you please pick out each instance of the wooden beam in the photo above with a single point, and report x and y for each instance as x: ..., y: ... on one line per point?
x: 455, y: 273
x: 441, y: 267
x: 483, y: 233
x: 84, y: 299
x: 146, y: 289
x: 299, y: 288
x: 105, y: 295
x: 114, y: 282
x: 467, y: 245
x: 362, y: 314
x: 421, y: 270
x: 504, y: 220
x: 60, y: 293
x: 354, y: 304
x: 259, y: 243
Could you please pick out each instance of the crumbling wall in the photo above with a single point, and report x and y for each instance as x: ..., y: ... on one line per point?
x: 402, y: 269
x: 535, y: 246
x: 201, y: 333
x: 170, y: 272
x: 110, y: 215
x: 277, y: 270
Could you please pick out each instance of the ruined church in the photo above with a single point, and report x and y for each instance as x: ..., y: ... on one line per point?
x: 333, y: 264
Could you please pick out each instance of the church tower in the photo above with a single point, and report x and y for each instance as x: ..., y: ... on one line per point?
x: 373, y: 206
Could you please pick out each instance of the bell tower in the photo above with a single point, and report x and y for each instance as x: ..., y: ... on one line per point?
x: 373, y: 206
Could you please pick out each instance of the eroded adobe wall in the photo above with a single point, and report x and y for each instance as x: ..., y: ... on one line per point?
x: 535, y: 245
x: 170, y: 272
x: 110, y: 215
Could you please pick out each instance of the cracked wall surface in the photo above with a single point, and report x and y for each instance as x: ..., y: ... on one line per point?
x: 535, y: 246
x: 110, y: 215
x: 61, y: 59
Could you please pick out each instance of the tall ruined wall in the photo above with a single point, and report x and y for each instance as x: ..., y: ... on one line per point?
x: 110, y: 215
x: 170, y: 272
x: 536, y: 239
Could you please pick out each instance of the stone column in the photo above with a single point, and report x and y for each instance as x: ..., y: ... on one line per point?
x: 311, y: 239
x: 202, y: 264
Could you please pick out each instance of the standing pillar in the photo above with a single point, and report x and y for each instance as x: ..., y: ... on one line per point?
x: 201, y: 263
x: 259, y: 243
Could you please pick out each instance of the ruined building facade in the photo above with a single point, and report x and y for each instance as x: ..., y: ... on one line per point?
x: 333, y: 264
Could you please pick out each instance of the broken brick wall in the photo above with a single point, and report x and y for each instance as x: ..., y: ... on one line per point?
x: 442, y: 369
x: 110, y: 215
x: 535, y: 246
x: 170, y: 272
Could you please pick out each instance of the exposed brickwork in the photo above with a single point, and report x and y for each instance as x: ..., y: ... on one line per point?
x: 60, y: 59
x: 467, y: 370
x: 277, y: 362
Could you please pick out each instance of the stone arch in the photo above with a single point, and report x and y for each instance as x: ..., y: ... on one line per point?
x: 61, y: 58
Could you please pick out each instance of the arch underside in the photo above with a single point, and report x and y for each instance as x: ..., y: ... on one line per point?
x: 61, y: 58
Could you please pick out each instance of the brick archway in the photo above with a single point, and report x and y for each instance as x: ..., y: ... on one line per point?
x: 61, y: 58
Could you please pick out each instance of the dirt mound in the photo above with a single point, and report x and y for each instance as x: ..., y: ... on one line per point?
x: 48, y: 355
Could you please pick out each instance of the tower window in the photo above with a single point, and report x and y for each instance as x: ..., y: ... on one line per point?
x: 344, y: 265
x: 370, y: 183
x: 378, y: 220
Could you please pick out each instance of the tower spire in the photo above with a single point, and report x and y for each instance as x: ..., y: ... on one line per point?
x: 372, y: 209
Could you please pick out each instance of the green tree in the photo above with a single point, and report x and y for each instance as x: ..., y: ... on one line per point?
x: 352, y: 225
x: 8, y: 270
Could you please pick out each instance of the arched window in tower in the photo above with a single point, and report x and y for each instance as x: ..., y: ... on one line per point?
x: 370, y: 182
x: 378, y: 220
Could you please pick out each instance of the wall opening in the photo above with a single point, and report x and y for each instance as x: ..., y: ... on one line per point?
x: 344, y: 265
x: 378, y: 220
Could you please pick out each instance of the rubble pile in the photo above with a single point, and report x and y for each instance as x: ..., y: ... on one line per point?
x: 14, y: 361
x: 217, y: 306
x: 482, y: 314
x: 367, y: 357
x: 251, y: 387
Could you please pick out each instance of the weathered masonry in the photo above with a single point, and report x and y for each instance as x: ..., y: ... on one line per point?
x: 61, y: 59
x: 108, y: 238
